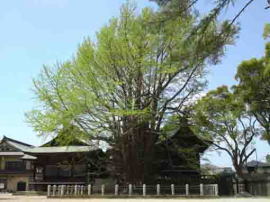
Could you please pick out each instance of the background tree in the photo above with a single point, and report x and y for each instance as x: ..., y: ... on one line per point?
x: 221, y: 118
x: 173, y: 8
x: 267, y: 158
x: 254, y: 86
x: 122, y: 88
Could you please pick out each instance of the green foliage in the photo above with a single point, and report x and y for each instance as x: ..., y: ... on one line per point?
x: 266, y: 33
x: 254, y: 81
x: 268, y: 158
x: 132, y: 64
x: 120, y: 88
x: 221, y: 118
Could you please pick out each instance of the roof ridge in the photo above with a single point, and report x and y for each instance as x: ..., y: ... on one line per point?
x: 16, y: 141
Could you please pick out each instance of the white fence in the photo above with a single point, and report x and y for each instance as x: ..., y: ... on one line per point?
x: 132, y: 190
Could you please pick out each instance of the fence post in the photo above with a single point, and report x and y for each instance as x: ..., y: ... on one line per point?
x: 187, y: 190
x: 75, y: 190
x: 78, y: 189
x: 116, y: 189
x: 102, y: 189
x: 54, y: 190
x: 201, y: 189
x: 49, y: 190
x: 172, y: 189
x: 67, y: 190
x: 216, y: 189
x: 82, y: 190
x: 70, y: 189
x: 129, y: 189
x: 89, y: 189
x: 59, y: 188
x: 62, y: 190
x: 158, y: 189
x: 144, y: 190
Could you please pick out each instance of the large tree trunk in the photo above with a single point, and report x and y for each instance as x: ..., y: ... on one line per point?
x: 133, y: 154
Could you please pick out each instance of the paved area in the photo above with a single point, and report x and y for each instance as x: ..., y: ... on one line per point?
x: 10, y: 198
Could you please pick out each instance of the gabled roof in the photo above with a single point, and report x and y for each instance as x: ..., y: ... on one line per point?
x: 185, y: 136
x: 16, y: 148
x: 57, y: 149
x: 27, y: 150
x: 257, y: 164
x: 12, y: 153
x: 60, y: 141
x: 21, y: 146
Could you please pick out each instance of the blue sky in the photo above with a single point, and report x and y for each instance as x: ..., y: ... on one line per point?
x: 37, y: 32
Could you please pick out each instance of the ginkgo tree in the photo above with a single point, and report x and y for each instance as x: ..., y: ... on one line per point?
x: 121, y: 87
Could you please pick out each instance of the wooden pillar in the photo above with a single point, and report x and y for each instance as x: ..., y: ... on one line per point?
x: 35, y: 170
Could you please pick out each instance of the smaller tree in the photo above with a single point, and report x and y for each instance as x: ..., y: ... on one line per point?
x: 221, y: 118
x: 254, y: 81
x: 267, y: 158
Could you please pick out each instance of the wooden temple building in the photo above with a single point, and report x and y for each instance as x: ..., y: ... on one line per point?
x: 25, y: 167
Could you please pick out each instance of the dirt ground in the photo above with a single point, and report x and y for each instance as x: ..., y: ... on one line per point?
x: 10, y: 198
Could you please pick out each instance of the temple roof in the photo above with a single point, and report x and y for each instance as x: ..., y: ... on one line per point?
x: 257, y: 164
x: 21, y: 146
x: 28, y: 152
x: 60, y: 149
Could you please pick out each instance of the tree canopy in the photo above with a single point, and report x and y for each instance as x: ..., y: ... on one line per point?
x: 122, y: 87
x: 254, y: 81
x: 221, y: 119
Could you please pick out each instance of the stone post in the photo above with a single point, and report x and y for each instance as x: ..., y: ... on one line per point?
x: 69, y: 191
x: 130, y: 189
x: 172, y: 189
x: 216, y: 189
x: 187, y: 190
x: 58, y: 190
x: 62, y: 190
x: 49, y: 190
x: 75, y: 190
x: 201, y: 190
x: 158, y: 189
x: 54, y: 190
x: 82, y: 189
x: 89, y: 189
x: 144, y: 190
x: 102, y: 189
x: 116, y: 188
